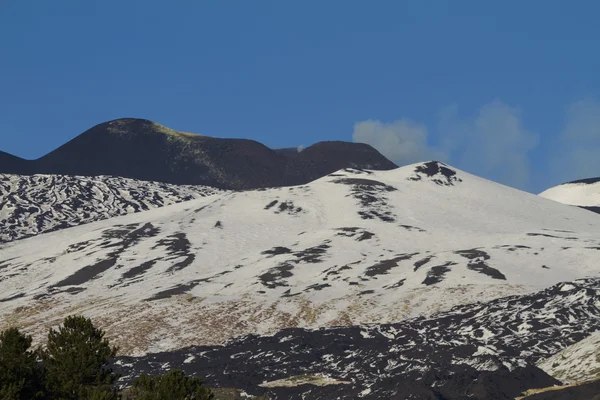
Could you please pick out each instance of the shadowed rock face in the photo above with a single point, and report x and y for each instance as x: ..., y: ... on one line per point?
x: 592, y: 208
x: 142, y: 149
x: 587, y: 181
x: 324, y: 158
x: 10, y: 164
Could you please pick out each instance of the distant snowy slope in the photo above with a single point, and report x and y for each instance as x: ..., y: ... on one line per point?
x: 577, y: 363
x: 579, y: 193
x: 353, y: 247
x: 30, y: 205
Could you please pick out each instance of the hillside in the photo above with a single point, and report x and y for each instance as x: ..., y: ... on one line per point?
x: 583, y: 391
x: 424, y: 281
x: 584, y: 193
x: 10, y: 164
x: 30, y: 205
x: 145, y: 150
x: 480, y: 351
x: 353, y: 247
x: 577, y: 363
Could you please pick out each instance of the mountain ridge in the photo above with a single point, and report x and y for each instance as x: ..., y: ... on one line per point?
x: 145, y: 150
x: 355, y: 246
x: 11, y: 164
x: 419, y: 280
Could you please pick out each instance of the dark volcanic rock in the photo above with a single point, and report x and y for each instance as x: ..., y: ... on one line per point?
x: 438, y: 172
x: 276, y: 251
x: 371, y: 196
x: 476, y: 351
x: 45, y: 203
x: 436, y: 274
x: 142, y: 149
x: 595, y: 209
x: 477, y: 263
x: 10, y: 164
x: 587, y: 181
x: 323, y: 158
x: 127, y: 236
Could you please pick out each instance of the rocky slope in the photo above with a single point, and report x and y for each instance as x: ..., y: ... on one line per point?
x: 142, y: 149
x: 30, y: 205
x: 577, y: 363
x: 481, y: 351
x: 13, y: 165
x: 351, y: 248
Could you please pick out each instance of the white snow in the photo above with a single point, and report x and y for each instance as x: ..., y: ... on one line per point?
x: 577, y: 363
x: 232, y: 287
x: 30, y: 205
x: 189, y: 359
x: 579, y: 194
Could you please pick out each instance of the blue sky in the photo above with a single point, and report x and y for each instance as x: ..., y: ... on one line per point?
x: 509, y: 90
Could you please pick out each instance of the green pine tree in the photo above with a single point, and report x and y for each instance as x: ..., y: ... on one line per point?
x: 20, y: 373
x: 75, y: 360
x: 101, y: 393
x: 174, y: 385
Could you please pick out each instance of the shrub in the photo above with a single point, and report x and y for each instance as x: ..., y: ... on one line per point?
x: 174, y: 385
x: 75, y: 366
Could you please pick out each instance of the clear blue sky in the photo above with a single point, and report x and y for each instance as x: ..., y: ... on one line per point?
x: 509, y: 90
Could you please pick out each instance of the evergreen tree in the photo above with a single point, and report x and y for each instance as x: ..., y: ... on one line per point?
x: 173, y: 385
x: 20, y: 374
x: 76, y: 359
x: 101, y: 393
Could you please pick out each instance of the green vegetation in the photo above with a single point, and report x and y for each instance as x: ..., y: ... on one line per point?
x: 75, y: 361
x: 20, y: 374
x: 172, y: 385
x: 74, y: 365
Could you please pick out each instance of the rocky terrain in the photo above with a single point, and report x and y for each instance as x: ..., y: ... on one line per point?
x: 10, y: 164
x: 351, y: 248
x: 498, y: 341
x: 577, y: 363
x: 142, y: 149
x: 30, y: 205
x: 418, y: 282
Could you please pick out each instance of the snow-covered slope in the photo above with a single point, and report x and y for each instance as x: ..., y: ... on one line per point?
x: 577, y: 363
x: 579, y: 193
x: 30, y: 205
x: 353, y: 247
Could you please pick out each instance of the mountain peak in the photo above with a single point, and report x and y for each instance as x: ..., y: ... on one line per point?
x: 143, y: 149
x: 436, y: 172
x: 137, y: 126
